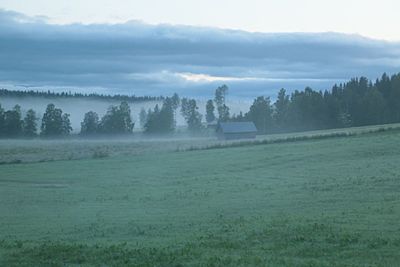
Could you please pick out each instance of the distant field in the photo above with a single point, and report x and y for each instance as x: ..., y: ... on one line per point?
x: 38, y: 150
x: 17, y: 151
x: 326, y: 202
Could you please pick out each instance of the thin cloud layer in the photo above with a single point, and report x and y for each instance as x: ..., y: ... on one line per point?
x: 137, y: 58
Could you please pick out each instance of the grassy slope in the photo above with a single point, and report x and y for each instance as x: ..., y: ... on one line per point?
x: 42, y: 150
x: 325, y: 202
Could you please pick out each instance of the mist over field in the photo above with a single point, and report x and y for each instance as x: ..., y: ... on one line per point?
x: 78, y: 107
x: 75, y: 107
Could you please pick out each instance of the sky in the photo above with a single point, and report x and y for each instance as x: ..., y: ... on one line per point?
x: 158, y: 47
x: 371, y: 18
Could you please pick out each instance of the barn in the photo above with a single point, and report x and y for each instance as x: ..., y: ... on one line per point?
x: 236, y: 130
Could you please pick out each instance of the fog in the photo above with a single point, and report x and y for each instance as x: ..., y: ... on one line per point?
x: 78, y: 107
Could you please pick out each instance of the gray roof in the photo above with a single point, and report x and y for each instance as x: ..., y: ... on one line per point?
x: 238, y: 127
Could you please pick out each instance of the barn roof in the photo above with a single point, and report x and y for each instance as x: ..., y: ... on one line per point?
x: 238, y: 127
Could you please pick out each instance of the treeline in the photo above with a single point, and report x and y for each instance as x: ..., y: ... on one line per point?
x: 161, y: 120
x: 50, y: 94
x: 54, y: 123
x: 358, y: 102
x: 116, y: 121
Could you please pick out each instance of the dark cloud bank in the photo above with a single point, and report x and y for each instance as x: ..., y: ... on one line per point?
x: 141, y: 59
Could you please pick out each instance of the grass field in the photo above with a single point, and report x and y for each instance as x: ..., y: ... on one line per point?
x: 16, y: 151
x: 327, y: 202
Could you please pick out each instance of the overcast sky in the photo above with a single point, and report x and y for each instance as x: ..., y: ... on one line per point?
x: 54, y: 44
x: 376, y: 19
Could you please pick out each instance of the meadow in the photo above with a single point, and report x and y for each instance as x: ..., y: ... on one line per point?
x: 300, y: 202
x: 15, y: 151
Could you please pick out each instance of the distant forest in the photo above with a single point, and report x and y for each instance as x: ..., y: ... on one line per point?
x: 50, y: 94
x: 359, y: 102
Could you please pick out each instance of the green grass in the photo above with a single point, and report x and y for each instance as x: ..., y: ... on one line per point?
x: 327, y: 202
x: 41, y: 150
x: 16, y: 151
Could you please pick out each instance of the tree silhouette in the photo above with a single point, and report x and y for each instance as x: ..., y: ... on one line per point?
x: 210, y: 115
x: 13, y: 122
x: 261, y: 114
x: 117, y: 120
x: 222, y: 108
x: 55, y: 123
x: 90, y: 124
x: 30, y: 124
x: 192, y: 116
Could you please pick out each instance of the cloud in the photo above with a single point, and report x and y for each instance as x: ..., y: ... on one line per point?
x: 138, y: 58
